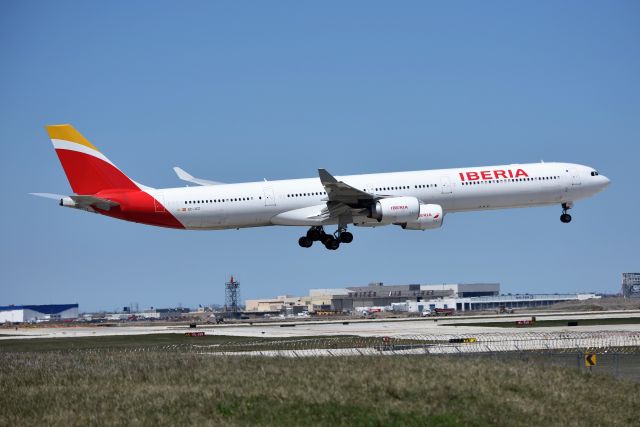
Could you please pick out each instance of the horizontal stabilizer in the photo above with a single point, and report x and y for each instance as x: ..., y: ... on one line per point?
x: 80, y: 202
x: 84, y: 202
x: 49, y: 195
x: 190, y: 178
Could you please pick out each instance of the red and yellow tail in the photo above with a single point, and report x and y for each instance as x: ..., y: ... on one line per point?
x: 101, y: 187
x: 87, y: 169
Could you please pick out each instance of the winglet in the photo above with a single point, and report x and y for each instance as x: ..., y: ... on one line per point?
x: 184, y: 176
x: 326, y: 177
x: 339, y: 191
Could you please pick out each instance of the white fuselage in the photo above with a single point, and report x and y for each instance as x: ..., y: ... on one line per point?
x: 295, y: 201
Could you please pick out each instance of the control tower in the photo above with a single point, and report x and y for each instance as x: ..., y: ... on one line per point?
x: 232, y: 298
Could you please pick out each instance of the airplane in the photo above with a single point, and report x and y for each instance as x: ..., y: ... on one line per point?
x: 416, y: 200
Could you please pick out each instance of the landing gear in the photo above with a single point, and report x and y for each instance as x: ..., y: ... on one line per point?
x: 305, y: 242
x: 346, y: 237
x: 315, y: 233
x: 330, y: 241
x: 565, y: 217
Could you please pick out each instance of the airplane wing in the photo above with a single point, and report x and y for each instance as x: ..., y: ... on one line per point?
x: 338, y: 191
x: 343, y: 200
x: 190, y: 178
x: 339, y: 210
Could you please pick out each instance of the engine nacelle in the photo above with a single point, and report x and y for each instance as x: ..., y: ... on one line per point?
x: 396, y: 209
x: 430, y: 217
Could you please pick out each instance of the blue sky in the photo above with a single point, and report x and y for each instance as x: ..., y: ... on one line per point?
x: 240, y: 91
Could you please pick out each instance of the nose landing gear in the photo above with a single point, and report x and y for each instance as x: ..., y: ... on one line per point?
x: 330, y: 241
x: 565, y: 217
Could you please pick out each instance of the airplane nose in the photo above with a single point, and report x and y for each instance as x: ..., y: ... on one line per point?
x: 605, y: 181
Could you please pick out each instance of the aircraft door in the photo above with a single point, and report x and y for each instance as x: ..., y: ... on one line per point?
x: 158, y: 202
x: 445, y: 185
x: 575, y: 177
x: 269, y: 198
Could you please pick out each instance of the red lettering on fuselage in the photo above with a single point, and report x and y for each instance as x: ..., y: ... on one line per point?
x: 492, y: 174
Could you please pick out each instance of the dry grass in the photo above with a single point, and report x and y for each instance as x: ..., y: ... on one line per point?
x: 602, y: 304
x: 169, y: 388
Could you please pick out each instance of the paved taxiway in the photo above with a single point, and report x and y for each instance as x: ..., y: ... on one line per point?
x: 399, y: 328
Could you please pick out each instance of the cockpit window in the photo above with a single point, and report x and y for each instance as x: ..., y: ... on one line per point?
x: 594, y: 173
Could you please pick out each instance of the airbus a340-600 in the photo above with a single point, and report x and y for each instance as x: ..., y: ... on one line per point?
x: 416, y: 200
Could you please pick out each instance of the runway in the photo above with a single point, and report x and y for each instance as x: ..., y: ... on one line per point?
x: 397, y: 328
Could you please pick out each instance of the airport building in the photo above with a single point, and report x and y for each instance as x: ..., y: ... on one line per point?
x: 516, y: 301
x: 373, y: 295
x: 631, y: 285
x: 277, y: 304
x: 380, y: 295
x: 409, y: 298
x: 38, y: 313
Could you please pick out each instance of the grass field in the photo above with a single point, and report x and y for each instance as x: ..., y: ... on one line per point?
x: 180, y: 342
x: 110, y: 384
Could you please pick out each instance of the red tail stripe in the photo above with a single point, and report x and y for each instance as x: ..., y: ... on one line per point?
x: 89, y: 175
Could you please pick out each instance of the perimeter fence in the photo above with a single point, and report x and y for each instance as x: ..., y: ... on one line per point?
x: 622, y: 342
x: 613, y: 352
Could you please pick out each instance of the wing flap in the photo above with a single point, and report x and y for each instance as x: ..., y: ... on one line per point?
x: 339, y: 210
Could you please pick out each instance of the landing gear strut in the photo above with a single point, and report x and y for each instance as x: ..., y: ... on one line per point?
x: 565, y: 217
x: 330, y: 241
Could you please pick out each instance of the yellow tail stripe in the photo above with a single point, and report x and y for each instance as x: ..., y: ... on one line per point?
x: 68, y: 133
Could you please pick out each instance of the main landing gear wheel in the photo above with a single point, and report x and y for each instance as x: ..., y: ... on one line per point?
x: 346, y: 237
x: 315, y: 233
x: 332, y: 243
x: 565, y: 217
x: 324, y: 237
x: 305, y: 242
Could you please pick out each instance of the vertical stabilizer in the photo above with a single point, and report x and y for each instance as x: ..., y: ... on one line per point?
x: 87, y: 169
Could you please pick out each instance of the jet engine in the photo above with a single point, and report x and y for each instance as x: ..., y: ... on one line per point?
x: 430, y: 217
x: 396, y: 209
